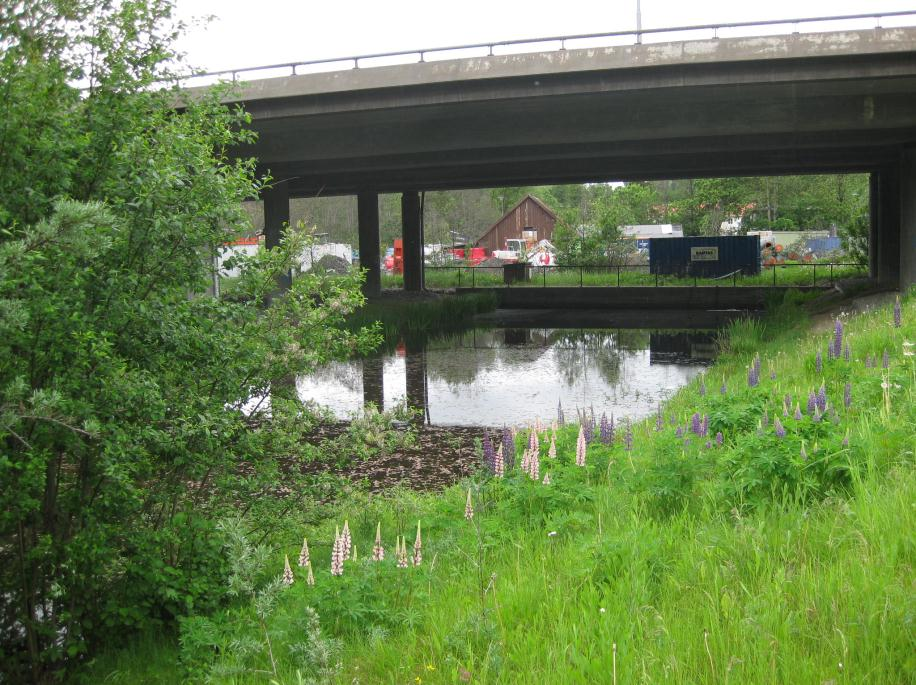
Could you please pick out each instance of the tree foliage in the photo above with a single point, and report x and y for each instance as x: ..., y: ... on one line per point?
x: 128, y: 419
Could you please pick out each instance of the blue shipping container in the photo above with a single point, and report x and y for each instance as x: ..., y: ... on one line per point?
x: 705, y: 256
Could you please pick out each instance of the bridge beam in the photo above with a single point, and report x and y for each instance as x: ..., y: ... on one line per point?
x: 412, y: 233
x: 276, y: 221
x: 369, y: 258
x: 908, y: 218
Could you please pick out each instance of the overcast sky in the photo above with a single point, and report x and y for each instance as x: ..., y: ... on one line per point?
x: 246, y: 33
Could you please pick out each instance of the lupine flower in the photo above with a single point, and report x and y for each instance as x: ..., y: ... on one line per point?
x: 798, y: 414
x: 847, y: 395
x: 847, y: 351
x: 787, y: 400
x: 765, y: 421
x: 817, y: 415
x: 818, y: 362
x: 337, y: 555
x: 695, y: 424
x: 724, y: 389
x: 702, y: 389
x: 752, y: 378
x: 534, y: 445
x: 526, y: 460
x: 469, y: 507
x: 488, y: 453
x: 837, y: 338
x: 508, y: 449
x: 803, y: 454
x: 346, y: 540
x: 304, y: 557
x: 846, y: 440
x: 546, y: 480
x: 534, y: 466
x: 552, y: 450
x: 310, y: 578
x: 603, y: 430
x: 378, y: 551
x: 402, y: 552
x: 580, y: 448
x: 898, y: 314
x: 719, y: 438
x: 628, y: 437
x: 705, y: 429
x: 780, y: 431
x: 679, y: 432
x: 560, y: 419
x: 287, y: 571
x: 417, y: 548
x: 708, y: 445
x: 812, y: 402
x: 499, y: 467
x: 885, y: 360
x: 822, y: 398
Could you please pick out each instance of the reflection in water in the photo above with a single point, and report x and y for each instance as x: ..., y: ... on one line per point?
x: 511, y: 376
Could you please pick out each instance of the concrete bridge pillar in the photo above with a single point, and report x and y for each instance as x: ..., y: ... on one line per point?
x: 412, y: 233
x: 908, y: 218
x: 369, y: 258
x: 884, y: 240
x: 276, y: 221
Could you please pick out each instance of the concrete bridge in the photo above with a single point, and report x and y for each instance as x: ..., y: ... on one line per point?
x: 842, y: 101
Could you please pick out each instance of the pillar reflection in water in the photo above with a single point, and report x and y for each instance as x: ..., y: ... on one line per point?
x: 374, y: 382
x: 416, y: 376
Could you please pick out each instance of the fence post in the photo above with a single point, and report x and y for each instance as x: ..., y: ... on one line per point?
x: 544, y: 269
x: 831, y: 273
x: 580, y: 275
x: 774, y: 275
x: 459, y: 276
x: 815, y: 274
x: 656, y: 279
x: 734, y: 279
x: 473, y: 278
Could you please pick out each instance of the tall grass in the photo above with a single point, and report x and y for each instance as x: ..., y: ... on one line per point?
x: 672, y: 562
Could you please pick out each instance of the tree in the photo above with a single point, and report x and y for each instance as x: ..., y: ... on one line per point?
x: 129, y: 417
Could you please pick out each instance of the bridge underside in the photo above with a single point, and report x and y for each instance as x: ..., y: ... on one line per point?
x: 784, y: 105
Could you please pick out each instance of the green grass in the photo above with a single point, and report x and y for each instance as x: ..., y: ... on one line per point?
x: 736, y: 564
x: 448, y: 277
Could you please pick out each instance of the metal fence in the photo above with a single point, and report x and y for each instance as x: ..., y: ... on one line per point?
x: 629, y: 275
x: 543, y: 44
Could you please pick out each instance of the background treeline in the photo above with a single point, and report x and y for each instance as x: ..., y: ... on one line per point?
x: 764, y: 202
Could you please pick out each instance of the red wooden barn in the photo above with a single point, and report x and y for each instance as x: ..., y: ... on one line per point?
x: 530, y: 214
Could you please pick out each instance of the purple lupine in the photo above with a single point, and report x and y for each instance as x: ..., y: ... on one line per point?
x: 817, y: 415
x: 753, y: 378
x: 679, y: 432
x: 719, y: 438
x: 508, y: 449
x: 560, y: 418
x: 489, y: 455
x: 829, y: 351
x: 847, y: 351
x: 798, y: 414
x: 724, y: 389
x: 822, y: 398
x: 778, y: 427
x: 705, y: 428
x: 837, y: 338
x: 695, y: 425
x: 898, y: 313
x: 628, y: 437
x: 787, y: 400
x: 812, y: 402
x: 702, y: 389
x: 847, y: 395
x: 708, y: 445
x: 605, y: 430
x: 885, y: 360
x: 818, y: 362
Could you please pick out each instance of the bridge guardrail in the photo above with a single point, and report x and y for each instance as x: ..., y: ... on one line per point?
x: 638, y: 275
x: 421, y: 54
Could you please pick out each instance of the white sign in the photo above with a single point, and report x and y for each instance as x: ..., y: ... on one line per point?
x: 704, y: 254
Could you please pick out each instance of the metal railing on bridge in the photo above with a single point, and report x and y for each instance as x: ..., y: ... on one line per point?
x: 546, y: 43
x: 803, y: 274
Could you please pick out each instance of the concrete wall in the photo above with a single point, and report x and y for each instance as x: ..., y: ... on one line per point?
x: 710, y: 297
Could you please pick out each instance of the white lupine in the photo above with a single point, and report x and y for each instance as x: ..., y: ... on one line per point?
x: 310, y: 578
x: 347, y: 540
x: 552, y: 450
x: 287, y: 571
x: 304, y: 557
x: 378, y: 552
x: 580, y: 448
x: 499, y: 467
x: 469, y: 507
x: 417, y: 548
x: 337, y: 555
x: 546, y: 480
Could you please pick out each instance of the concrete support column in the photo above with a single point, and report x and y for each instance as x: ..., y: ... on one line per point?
x: 276, y: 221
x: 412, y: 232
x: 874, y: 189
x: 908, y: 218
x: 884, y: 252
x: 369, y: 258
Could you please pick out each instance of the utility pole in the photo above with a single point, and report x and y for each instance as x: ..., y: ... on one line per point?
x: 638, y: 22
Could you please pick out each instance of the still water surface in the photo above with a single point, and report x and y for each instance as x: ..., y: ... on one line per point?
x: 511, y: 376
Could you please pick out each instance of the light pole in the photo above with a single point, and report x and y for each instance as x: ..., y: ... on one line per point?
x: 638, y: 22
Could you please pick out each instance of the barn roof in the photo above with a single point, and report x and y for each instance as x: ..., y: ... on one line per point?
x: 518, y: 204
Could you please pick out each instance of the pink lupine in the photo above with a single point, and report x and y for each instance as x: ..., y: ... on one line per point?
x: 402, y: 552
x: 337, y: 555
x: 346, y: 540
x: 378, y: 551
x: 534, y: 466
x: 469, y: 507
x: 580, y: 448
x: 499, y: 467
x: 526, y: 460
x: 287, y: 571
x: 546, y: 480
x: 552, y: 450
x: 533, y: 443
x: 417, y: 548
x: 304, y: 556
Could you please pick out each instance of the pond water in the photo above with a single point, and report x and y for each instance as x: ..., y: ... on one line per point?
x: 511, y: 376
